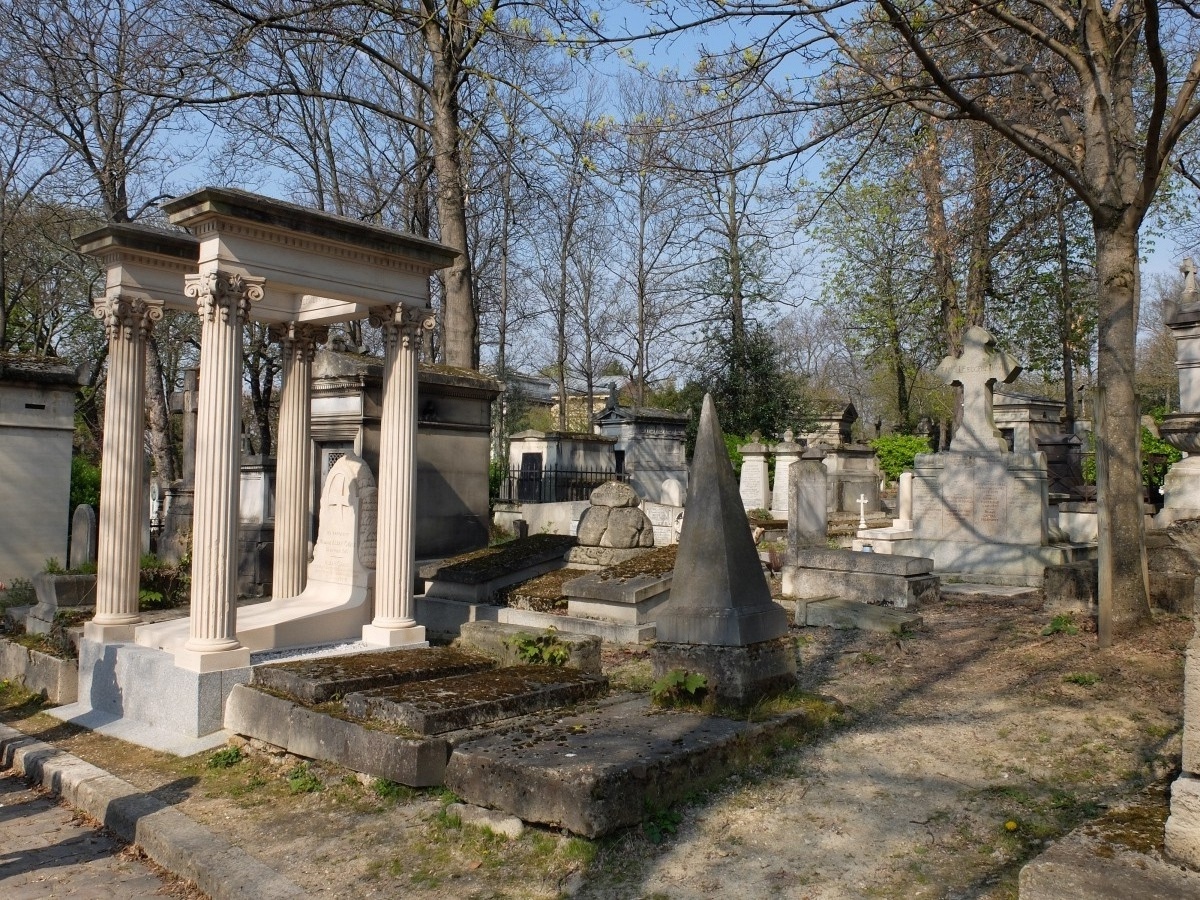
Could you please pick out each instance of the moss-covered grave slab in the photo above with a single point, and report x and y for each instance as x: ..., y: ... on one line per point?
x: 448, y: 704
x: 324, y: 678
x: 479, y: 576
x: 599, y: 770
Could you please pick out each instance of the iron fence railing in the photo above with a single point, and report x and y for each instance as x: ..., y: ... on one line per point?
x: 552, y: 485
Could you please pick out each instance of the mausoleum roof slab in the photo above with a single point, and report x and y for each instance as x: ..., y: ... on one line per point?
x: 318, y: 267
x: 143, y: 262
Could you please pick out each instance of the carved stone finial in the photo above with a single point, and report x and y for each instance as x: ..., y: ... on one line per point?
x: 1189, y: 280
x: 224, y: 293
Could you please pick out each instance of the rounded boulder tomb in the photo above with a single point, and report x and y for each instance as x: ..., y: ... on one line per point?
x: 615, y: 495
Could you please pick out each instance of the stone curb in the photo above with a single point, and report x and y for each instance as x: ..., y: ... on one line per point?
x: 168, y: 837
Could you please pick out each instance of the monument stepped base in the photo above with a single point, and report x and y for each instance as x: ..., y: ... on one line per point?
x: 1020, y: 565
x: 138, y: 694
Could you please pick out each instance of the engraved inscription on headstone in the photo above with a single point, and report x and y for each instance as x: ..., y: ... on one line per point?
x: 347, y: 520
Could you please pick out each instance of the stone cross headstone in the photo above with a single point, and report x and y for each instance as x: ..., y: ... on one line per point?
x: 786, y: 453
x: 755, y: 483
x: 83, y: 536
x: 862, y: 510
x: 1189, y: 280
x: 977, y: 370
x: 345, y: 550
x: 808, y: 512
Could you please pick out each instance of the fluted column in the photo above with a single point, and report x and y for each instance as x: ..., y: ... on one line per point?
x: 223, y: 302
x: 294, y: 457
x: 127, y: 323
x: 394, y: 624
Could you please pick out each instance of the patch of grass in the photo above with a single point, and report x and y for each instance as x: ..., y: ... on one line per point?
x: 301, y: 780
x: 20, y: 593
x: 392, y: 791
x: 870, y: 659
x: 1085, y: 679
x: 660, y: 823
x: 226, y: 758
x: 18, y: 702
x: 1061, y: 624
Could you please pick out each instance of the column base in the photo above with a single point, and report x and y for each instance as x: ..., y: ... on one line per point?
x: 413, y: 636
x: 109, y: 634
x: 212, y: 661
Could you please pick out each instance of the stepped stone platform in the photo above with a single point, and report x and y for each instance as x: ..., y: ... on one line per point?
x: 624, y: 601
x: 597, y: 770
x: 393, y: 713
x: 450, y: 704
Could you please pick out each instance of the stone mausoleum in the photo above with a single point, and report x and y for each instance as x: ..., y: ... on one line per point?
x: 244, y: 258
x: 37, y: 425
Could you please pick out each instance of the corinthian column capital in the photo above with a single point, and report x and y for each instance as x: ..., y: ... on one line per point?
x: 402, y: 325
x: 298, y: 338
x: 222, y: 293
x: 123, y: 316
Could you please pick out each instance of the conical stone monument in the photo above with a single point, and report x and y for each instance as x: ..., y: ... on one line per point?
x: 720, y: 619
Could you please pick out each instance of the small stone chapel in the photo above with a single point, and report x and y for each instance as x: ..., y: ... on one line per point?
x: 246, y: 257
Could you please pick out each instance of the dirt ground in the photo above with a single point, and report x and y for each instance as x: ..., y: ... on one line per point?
x: 963, y: 749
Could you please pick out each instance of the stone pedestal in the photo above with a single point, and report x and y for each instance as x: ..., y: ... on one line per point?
x: 394, y: 624
x: 754, y: 484
x: 736, y: 675
x: 786, y: 453
x: 1181, y: 487
x: 808, y: 516
x: 127, y: 322
x: 1183, y: 825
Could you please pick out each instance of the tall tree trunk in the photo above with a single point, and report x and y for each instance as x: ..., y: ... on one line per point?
x: 158, y: 420
x: 460, y: 329
x: 1116, y: 270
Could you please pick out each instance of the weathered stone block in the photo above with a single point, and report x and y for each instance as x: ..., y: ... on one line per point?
x: 902, y: 592
x: 596, y: 771
x: 736, y: 675
x: 1071, y: 587
x: 868, y: 563
x: 838, y: 612
x: 1182, y: 836
x: 1191, y: 707
x: 1173, y: 591
x: 495, y: 639
x: 614, y: 494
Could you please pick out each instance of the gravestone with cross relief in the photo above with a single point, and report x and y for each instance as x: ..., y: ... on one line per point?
x: 979, y: 508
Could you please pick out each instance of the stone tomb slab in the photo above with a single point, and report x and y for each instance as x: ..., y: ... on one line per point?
x: 293, y: 726
x: 322, y: 679
x: 595, y: 771
x: 448, y: 704
x: 627, y: 601
x: 883, y: 579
